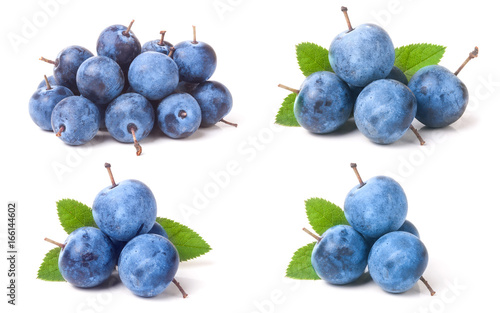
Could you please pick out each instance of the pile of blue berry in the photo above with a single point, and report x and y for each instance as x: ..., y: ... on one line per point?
x: 378, y: 236
x: 127, y: 89
x: 128, y: 237
x: 367, y: 85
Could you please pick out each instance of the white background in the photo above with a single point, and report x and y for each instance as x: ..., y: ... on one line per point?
x: 253, y: 221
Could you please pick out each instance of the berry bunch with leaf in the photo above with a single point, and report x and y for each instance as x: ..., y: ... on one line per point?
x: 121, y: 230
x: 383, y: 88
x: 372, y: 231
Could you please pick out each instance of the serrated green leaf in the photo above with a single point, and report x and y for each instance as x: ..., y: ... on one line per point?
x: 49, y: 270
x: 301, y: 267
x: 189, y: 244
x: 285, y: 115
x: 312, y: 58
x: 74, y: 214
x: 323, y: 214
x: 413, y: 57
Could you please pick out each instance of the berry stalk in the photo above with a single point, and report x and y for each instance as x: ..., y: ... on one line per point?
x: 471, y: 56
x: 229, y: 123
x: 415, y: 131
x: 127, y: 31
x: 137, y: 146
x: 61, y: 130
x: 194, y: 35
x: 47, y: 82
x: 289, y: 88
x: 162, y: 33
x: 354, y: 166
x: 427, y: 285
x: 176, y: 283
x: 344, y: 10
x: 60, y: 245
x: 318, y: 238
x: 108, y: 167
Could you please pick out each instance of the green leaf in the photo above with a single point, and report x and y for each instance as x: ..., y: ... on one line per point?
x: 49, y: 270
x: 285, y: 115
x: 73, y: 215
x: 312, y: 58
x: 413, y: 57
x: 323, y: 214
x: 301, y: 267
x: 189, y: 244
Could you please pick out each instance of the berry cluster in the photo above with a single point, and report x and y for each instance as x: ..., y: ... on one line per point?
x: 367, y: 85
x: 128, y: 236
x: 126, y: 88
x: 378, y: 236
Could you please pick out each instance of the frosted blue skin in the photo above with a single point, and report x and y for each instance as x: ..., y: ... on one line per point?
x: 125, y: 211
x: 153, y: 75
x: 52, y: 82
x: 215, y: 102
x: 406, y: 227
x: 80, y: 118
x: 179, y: 115
x: 122, y: 49
x: 397, y: 261
x: 378, y: 207
x: 362, y: 55
x: 324, y: 103
x: 409, y: 228
x: 154, y: 45
x: 118, y: 245
x: 147, y: 264
x: 196, y: 61
x: 43, y: 101
x: 127, y: 111
x: 67, y: 63
x: 100, y: 80
x: 398, y: 75
x: 88, y: 257
x: 384, y: 110
x: 158, y: 230
x: 340, y: 257
x: 441, y: 96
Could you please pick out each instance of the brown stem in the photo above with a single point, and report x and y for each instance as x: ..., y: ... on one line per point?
x: 162, y: 33
x: 427, y: 285
x: 61, y: 129
x: 471, y: 56
x: 344, y: 9
x: 127, y: 31
x: 137, y: 146
x: 176, y: 283
x: 354, y: 166
x: 289, y: 88
x: 108, y: 167
x: 60, y: 245
x: 171, y: 53
x: 415, y: 131
x: 229, y: 123
x: 318, y: 238
x: 194, y: 35
x: 47, y: 60
x: 47, y: 82
x: 182, y: 114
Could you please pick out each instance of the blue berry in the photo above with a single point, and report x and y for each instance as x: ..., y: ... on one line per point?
x: 75, y: 120
x: 179, y: 115
x: 147, y: 264
x: 87, y: 257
